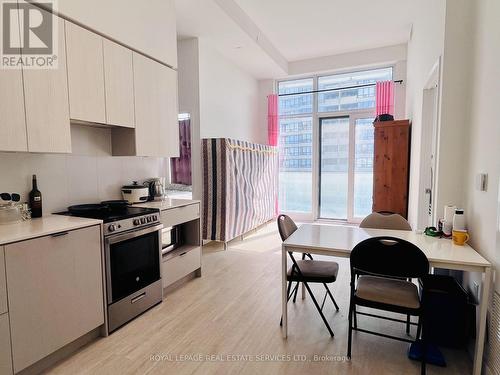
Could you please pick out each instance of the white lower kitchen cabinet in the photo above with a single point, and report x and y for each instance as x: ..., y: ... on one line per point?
x: 55, y: 292
x: 5, y: 353
x: 3, y: 285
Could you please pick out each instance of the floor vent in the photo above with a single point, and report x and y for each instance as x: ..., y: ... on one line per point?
x: 493, y: 357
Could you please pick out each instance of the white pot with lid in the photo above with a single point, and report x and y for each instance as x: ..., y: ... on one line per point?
x: 135, y: 193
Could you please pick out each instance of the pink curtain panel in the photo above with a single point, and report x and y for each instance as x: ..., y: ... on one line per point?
x: 273, y: 130
x: 384, y: 99
x: 272, y: 119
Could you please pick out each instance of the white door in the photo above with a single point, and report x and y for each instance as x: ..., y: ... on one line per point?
x: 427, y: 215
x: 345, y: 173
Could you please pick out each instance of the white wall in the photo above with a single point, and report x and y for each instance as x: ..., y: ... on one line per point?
x: 189, y: 102
x: 148, y: 26
x: 424, y: 49
x: 455, y: 103
x: 229, y: 99
x: 89, y: 175
x: 223, y: 100
x: 483, y: 208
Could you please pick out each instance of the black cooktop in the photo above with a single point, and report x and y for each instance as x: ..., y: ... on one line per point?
x: 110, y: 214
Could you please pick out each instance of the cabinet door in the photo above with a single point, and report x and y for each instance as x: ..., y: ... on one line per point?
x: 3, y: 285
x: 12, y: 109
x: 46, y: 102
x: 85, y: 74
x: 155, y: 108
x: 55, y: 292
x: 5, y: 351
x: 169, y: 145
x: 119, y: 84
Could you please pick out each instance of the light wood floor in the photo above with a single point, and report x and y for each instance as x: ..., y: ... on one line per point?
x: 234, y: 309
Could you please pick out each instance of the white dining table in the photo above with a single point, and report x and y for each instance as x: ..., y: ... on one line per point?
x: 339, y: 240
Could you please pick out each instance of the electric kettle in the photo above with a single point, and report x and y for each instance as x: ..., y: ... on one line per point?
x: 156, y: 189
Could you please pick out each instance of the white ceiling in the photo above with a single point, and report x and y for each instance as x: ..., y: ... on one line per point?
x: 302, y: 29
x: 298, y: 29
x: 206, y: 20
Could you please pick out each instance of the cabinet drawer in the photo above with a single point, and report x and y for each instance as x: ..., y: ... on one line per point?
x: 177, y: 267
x: 180, y: 215
x: 3, y: 285
x: 5, y: 352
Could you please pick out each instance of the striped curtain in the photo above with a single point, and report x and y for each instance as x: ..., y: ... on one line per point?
x: 384, y: 99
x: 272, y: 120
x: 239, y: 187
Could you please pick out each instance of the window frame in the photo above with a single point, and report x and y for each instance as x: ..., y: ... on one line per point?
x: 316, y: 116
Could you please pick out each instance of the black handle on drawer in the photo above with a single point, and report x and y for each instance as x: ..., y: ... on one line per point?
x: 60, y: 234
x: 184, y: 253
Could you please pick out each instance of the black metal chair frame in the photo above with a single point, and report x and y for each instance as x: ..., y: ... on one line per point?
x: 296, y: 271
x: 411, y: 270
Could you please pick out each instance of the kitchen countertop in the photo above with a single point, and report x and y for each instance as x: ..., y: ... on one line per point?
x: 42, y: 226
x: 167, y: 204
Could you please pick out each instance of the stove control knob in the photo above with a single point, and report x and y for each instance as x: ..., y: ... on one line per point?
x: 149, y: 219
x: 143, y: 220
x: 155, y: 217
x: 137, y: 221
x: 112, y: 228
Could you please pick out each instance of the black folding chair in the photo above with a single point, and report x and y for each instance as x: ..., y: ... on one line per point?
x: 307, y: 271
x: 380, y: 269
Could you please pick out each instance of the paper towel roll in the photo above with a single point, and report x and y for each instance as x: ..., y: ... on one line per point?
x: 449, y: 212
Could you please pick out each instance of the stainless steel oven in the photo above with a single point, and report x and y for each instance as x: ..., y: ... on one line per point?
x: 133, y: 273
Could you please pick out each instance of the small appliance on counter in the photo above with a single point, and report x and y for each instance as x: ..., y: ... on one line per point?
x: 135, y: 193
x: 156, y: 188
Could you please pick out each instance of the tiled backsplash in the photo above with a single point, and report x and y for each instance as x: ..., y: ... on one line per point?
x: 87, y: 175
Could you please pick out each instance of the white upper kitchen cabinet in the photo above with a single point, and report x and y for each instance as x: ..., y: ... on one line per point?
x: 46, y: 104
x: 13, y: 121
x: 145, y: 26
x: 85, y: 74
x: 55, y: 292
x: 156, y: 125
x: 119, y: 84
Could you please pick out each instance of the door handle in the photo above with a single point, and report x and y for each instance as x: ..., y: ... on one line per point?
x: 138, y: 298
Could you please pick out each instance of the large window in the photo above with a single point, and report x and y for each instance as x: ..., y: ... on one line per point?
x: 333, y: 131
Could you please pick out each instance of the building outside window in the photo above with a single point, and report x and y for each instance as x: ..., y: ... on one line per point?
x: 343, y: 119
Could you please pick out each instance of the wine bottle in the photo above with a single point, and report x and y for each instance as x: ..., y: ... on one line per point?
x: 35, y: 200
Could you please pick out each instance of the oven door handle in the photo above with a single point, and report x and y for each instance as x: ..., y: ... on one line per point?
x: 133, y: 233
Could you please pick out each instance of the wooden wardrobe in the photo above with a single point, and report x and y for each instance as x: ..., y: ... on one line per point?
x: 390, y: 168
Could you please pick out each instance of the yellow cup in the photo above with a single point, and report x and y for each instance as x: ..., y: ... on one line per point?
x: 460, y: 237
